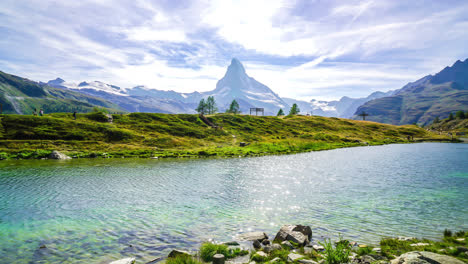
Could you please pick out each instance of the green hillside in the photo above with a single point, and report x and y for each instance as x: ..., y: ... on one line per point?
x: 22, y: 96
x: 422, y: 101
x: 184, y: 135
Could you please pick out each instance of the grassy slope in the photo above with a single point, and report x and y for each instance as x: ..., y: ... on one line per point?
x: 420, y: 106
x: 446, y: 125
x: 166, y: 135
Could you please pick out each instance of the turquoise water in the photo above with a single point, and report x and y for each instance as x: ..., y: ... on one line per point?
x: 94, y: 211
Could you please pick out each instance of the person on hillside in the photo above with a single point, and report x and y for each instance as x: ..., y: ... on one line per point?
x: 74, y: 115
x: 35, y: 112
x: 41, y: 112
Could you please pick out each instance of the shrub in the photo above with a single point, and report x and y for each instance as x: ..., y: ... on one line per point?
x: 364, y: 251
x: 447, y: 233
x: 339, y: 254
x: 208, y: 250
x: 97, y: 116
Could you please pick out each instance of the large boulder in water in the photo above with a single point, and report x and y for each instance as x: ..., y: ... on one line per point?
x: 298, y: 234
x: 58, y: 156
x: 424, y: 257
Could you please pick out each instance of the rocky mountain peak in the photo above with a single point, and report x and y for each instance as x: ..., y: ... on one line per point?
x: 235, y: 69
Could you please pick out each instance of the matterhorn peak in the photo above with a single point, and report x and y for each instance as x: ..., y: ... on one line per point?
x: 236, y: 68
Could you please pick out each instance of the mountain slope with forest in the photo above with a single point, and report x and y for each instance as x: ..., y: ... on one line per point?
x: 423, y: 100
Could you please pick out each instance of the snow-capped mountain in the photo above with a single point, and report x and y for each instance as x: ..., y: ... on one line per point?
x: 235, y: 84
x: 95, y: 85
x: 248, y: 92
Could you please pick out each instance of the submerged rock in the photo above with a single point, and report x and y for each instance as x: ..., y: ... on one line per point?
x: 124, y: 261
x: 424, y: 257
x: 251, y: 236
x: 175, y: 252
x: 58, y: 156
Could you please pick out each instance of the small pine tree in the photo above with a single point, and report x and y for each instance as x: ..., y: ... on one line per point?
x: 234, y: 108
x: 450, y: 118
x: 211, y: 105
x: 280, y: 112
x: 436, y: 120
x: 460, y: 115
x: 201, y: 109
x: 294, y: 110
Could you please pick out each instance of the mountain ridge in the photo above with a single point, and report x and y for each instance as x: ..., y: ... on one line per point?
x: 423, y: 100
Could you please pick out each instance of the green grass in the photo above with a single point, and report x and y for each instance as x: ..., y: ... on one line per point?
x: 208, y: 250
x: 185, y: 135
x: 392, y: 247
x: 183, y: 259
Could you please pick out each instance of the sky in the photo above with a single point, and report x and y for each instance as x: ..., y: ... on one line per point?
x: 303, y: 49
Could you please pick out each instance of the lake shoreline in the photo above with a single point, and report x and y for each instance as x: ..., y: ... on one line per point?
x: 295, y: 244
x: 183, y: 154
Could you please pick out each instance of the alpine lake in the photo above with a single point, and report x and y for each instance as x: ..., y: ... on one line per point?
x: 99, y: 210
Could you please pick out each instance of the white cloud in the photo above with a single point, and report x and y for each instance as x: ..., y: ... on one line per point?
x: 139, y: 42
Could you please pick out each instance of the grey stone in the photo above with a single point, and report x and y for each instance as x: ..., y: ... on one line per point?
x: 287, y: 244
x: 419, y: 244
x: 257, y: 244
x: 251, y: 236
x: 306, y: 261
x: 318, y: 247
x: 367, y: 259
x: 276, y: 247
x: 298, y: 238
x: 275, y: 260
x: 308, y: 249
x: 231, y: 243
x: 296, y: 233
x: 377, y: 250
x: 266, y: 242
x: 462, y: 249
x: 293, y: 257
x: 175, y: 252
x: 267, y: 249
x: 261, y: 254
x: 403, y: 238
x: 58, y: 156
x: 124, y: 261
x: 239, y: 260
x: 424, y: 257
x: 218, y: 259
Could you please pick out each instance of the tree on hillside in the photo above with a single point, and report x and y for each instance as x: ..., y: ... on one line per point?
x: 201, y: 109
x: 294, y: 110
x: 211, y: 105
x: 450, y: 118
x: 234, y: 108
x: 436, y: 120
x: 460, y: 114
x: 280, y: 112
